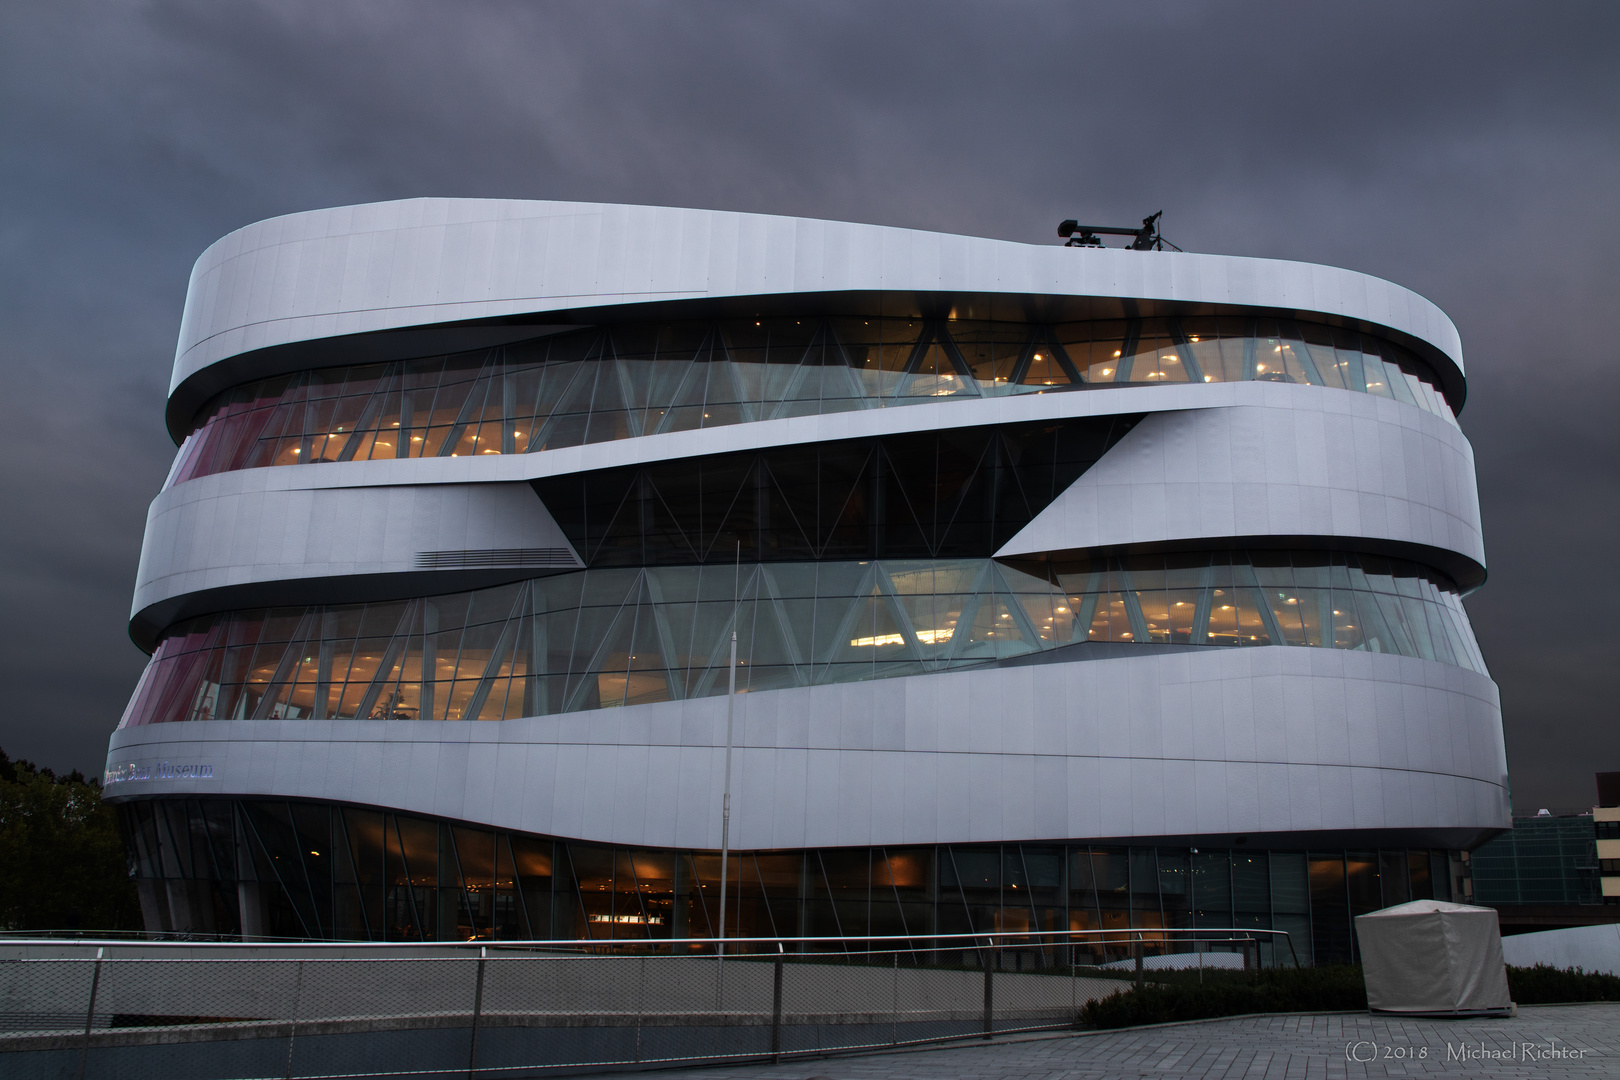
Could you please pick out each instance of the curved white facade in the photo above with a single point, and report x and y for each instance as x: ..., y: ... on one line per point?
x: 1145, y: 731
x: 424, y: 262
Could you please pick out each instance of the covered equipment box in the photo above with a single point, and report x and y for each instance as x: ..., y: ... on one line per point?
x: 1431, y: 958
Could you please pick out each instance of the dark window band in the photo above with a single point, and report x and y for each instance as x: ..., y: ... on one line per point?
x: 602, y: 638
x: 627, y: 380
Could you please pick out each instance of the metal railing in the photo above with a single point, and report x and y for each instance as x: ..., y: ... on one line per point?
x: 234, y: 1010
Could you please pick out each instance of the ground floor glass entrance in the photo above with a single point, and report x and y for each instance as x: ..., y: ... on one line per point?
x: 274, y: 868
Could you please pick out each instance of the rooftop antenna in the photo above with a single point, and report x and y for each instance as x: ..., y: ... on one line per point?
x: 1146, y: 238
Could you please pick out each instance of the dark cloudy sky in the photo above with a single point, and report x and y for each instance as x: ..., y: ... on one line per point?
x: 1470, y: 151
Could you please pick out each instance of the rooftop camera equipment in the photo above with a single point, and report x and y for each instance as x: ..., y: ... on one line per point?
x: 1146, y: 238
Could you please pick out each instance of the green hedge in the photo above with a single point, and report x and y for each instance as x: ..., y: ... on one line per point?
x: 1185, y: 995
x: 1228, y: 993
x: 1545, y: 985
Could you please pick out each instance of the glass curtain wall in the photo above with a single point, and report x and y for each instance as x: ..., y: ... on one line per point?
x: 319, y: 871
x: 623, y: 381
x: 622, y: 636
x: 961, y: 492
x: 1541, y: 860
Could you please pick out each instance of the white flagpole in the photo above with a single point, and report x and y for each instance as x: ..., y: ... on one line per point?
x: 725, y: 802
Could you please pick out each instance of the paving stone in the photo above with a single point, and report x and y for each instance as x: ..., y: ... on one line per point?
x: 1541, y: 1042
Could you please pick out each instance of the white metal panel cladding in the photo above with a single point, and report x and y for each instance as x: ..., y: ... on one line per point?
x: 1318, y: 467
x: 417, y: 262
x: 1211, y: 742
x: 211, y: 536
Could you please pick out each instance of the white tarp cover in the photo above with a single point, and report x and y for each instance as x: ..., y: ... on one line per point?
x: 1433, y: 957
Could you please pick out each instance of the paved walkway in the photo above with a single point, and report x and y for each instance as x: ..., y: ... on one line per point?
x: 1542, y: 1041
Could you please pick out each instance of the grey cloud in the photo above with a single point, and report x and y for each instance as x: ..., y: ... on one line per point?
x: 1468, y: 151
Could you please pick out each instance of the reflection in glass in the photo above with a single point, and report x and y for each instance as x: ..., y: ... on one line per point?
x: 604, y: 638
x: 272, y: 869
x: 959, y: 492
x: 624, y: 381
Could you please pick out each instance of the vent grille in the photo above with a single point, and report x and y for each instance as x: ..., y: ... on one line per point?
x: 494, y: 557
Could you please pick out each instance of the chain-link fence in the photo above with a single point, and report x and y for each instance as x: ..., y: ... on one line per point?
x: 192, y: 1011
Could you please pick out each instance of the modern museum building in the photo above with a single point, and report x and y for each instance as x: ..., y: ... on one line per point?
x: 1072, y: 587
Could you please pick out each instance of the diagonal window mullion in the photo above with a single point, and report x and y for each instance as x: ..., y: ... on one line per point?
x: 691, y: 676
x: 1015, y: 608
x: 897, y: 610
x: 1206, y: 603
x: 271, y: 861
x: 508, y: 376
x: 863, y: 481
x: 723, y: 371
x: 853, y: 605
x: 1133, y: 608
x: 505, y: 646
x: 747, y: 488
x: 802, y: 672
x: 604, y: 647
x: 772, y: 482
x: 1061, y: 355
x: 970, y: 612
x: 1020, y: 368
x: 1189, y: 362
x: 919, y: 352
x: 370, y: 414
x: 721, y: 647
x: 325, y: 654
x: 635, y: 419
x: 848, y: 371
x: 669, y: 511
x: 954, y: 355
x: 464, y: 605
x: 397, y: 645
x: 536, y: 686
x: 895, y: 484
x: 1007, y: 475
x: 966, y: 490
x: 1302, y: 349
x: 342, y: 818
x: 1127, y: 351
x: 461, y: 879
x: 484, y: 380
x: 543, y: 430
x: 286, y: 665
x: 789, y: 394
x: 665, y: 635
x: 919, y: 349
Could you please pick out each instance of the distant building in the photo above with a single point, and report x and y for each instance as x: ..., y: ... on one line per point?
x: 1541, y: 860
x: 1554, y: 869
x: 1606, y: 822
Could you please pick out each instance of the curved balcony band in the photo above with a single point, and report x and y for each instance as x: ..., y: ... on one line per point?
x: 622, y: 381
x: 419, y: 277
x: 604, y: 638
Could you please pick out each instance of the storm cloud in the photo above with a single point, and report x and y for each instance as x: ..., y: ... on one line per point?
x: 1468, y: 151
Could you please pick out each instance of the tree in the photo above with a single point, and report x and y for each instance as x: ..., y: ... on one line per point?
x: 62, y: 862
